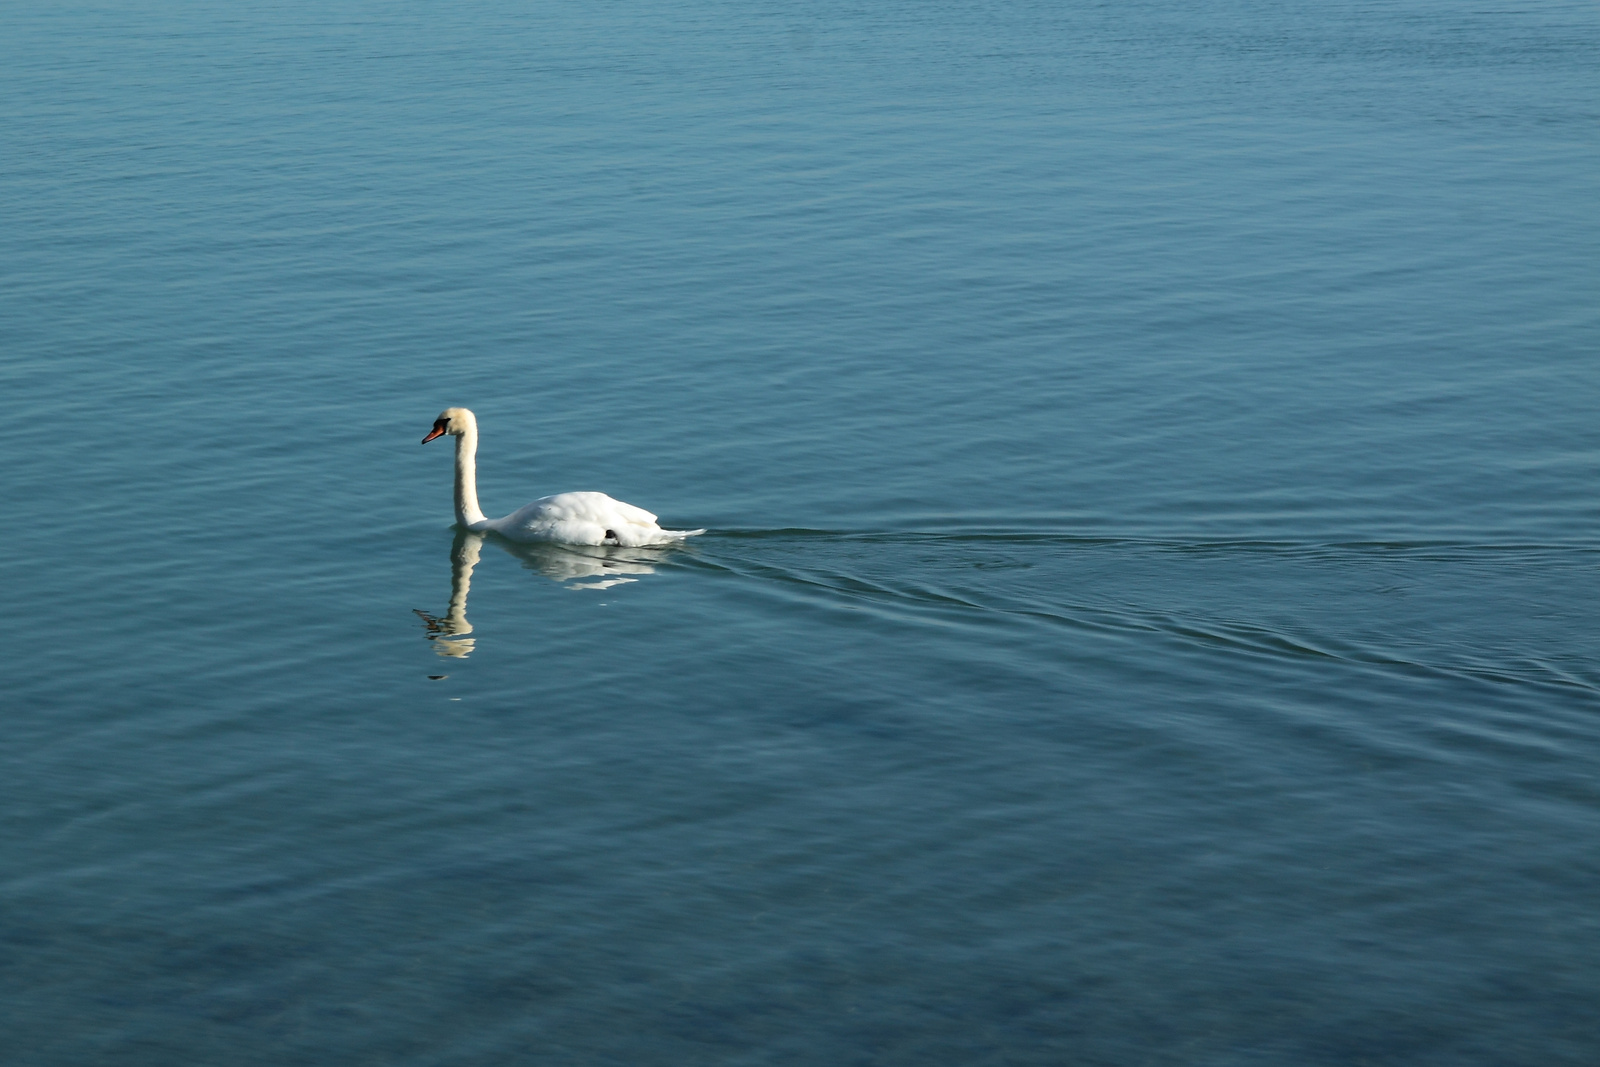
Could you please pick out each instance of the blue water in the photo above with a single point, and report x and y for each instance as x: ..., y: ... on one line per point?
x: 1149, y: 613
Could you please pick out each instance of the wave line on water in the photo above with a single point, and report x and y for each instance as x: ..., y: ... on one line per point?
x: 1214, y: 632
x: 1329, y: 549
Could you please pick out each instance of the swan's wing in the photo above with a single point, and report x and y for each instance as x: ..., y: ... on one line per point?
x: 592, y: 507
x: 587, y: 519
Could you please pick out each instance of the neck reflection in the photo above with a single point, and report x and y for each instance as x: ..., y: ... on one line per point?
x: 448, y: 632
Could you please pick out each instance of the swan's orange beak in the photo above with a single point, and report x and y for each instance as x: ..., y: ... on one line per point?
x: 437, y: 431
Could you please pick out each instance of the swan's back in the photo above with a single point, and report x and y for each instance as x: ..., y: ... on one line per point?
x: 586, y: 519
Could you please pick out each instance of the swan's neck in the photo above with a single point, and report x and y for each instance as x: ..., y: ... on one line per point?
x: 468, y: 515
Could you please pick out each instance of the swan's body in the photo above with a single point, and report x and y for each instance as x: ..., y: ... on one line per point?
x: 570, y: 518
x: 582, y: 519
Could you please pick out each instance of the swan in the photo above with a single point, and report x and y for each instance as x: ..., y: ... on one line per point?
x: 568, y: 518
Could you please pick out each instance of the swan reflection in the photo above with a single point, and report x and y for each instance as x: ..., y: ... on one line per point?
x: 448, y: 631
x: 576, y: 563
x: 580, y: 567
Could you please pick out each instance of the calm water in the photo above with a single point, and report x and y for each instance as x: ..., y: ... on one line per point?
x: 1151, y: 454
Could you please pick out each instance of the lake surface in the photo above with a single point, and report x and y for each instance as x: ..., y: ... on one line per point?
x: 1150, y: 608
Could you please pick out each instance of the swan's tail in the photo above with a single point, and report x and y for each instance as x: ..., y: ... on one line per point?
x: 646, y: 536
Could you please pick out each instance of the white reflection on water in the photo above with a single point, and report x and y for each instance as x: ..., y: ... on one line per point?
x: 568, y: 563
x: 560, y: 563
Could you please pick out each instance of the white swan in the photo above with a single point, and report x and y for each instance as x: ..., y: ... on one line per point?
x: 570, y: 518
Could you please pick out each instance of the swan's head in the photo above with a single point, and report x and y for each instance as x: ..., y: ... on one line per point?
x: 455, y: 421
